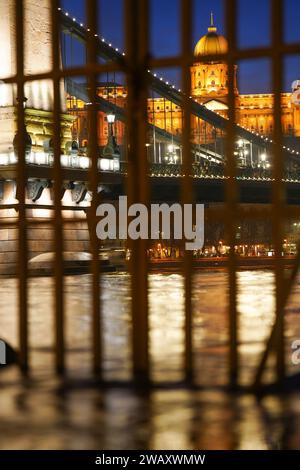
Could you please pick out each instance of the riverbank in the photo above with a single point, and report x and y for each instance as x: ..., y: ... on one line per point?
x: 245, y: 262
x: 83, y: 266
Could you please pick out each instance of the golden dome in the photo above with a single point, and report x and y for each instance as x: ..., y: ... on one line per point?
x: 212, y: 43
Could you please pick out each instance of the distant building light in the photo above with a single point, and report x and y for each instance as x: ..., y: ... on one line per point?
x: 263, y: 157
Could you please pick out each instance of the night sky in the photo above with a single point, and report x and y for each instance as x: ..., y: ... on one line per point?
x: 254, y: 23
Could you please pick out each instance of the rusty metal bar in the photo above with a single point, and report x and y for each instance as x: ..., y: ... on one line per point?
x: 231, y: 196
x: 92, y: 19
x: 242, y: 212
x: 278, y: 187
x: 136, y: 33
x: 276, y: 339
x: 159, y: 63
x: 187, y: 180
x: 21, y: 188
x: 271, y: 341
x: 58, y: 182
x: 70, y: 72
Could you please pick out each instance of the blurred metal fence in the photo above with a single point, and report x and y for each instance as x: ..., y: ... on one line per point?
x: 135, y: 65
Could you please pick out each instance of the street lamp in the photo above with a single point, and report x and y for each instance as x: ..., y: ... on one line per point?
x: 111, y: 119
x: 264, y: 160
x: 111, y: 152
x: 27, y: 138
x: 171, y: 156
x: 241, y: 151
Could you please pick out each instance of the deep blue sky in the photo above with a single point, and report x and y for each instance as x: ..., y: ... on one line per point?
x: 253, y: 30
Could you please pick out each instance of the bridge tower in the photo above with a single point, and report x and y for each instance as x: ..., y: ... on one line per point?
x: 39, y: 124
x: 37, y: 59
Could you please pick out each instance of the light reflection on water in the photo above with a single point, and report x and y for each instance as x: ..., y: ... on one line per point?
x: 255, y: 305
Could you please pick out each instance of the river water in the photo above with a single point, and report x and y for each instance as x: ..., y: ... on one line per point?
x: 44, y: 413
x: 166, y: 298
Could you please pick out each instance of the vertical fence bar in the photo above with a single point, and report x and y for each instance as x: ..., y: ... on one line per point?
x: 92, y: 20
x: 58, y: 182
x: 282, y: 286
x: 187, y: 180
x: 277, y: 184
x: 21, y: 188
x: 137, y: 17
x: 231, y: 191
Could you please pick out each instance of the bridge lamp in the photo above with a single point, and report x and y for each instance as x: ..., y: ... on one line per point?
x: 111, y: 119
x: 147, y: 145
x: 4, y: 159
x: 24, y: 101
x: 5, y: 93
x: 110, y: 159
x: 263, y: 157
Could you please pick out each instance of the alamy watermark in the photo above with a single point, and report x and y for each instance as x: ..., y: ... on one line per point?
x: 2, y: 353
x: 296, y: 354
x: 156, y: 223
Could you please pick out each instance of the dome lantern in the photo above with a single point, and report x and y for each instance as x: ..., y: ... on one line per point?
x: 212, y: 28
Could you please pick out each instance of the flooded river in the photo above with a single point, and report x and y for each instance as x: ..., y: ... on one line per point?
x: 44, y: 414
x: 166, y: 298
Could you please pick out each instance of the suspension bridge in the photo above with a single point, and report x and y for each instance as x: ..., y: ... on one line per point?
x: 255, y: 179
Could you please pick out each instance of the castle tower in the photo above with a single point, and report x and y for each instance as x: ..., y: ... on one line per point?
x: 209, y: 78
x: 37, y: 59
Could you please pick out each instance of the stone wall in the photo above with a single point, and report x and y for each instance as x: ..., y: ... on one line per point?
x: 40, y: 230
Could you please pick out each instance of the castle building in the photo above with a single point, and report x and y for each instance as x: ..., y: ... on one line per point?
x: 209, y: 86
